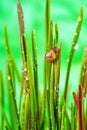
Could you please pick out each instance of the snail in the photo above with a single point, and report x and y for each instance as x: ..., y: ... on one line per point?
x: 52, y: 54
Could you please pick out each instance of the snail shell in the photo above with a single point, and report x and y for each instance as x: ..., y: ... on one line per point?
x: 52, y: 54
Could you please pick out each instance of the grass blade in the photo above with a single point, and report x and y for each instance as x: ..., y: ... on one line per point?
x: 1, y: 100
x: 73, y: 48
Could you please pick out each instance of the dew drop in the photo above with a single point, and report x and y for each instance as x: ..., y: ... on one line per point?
x: 36, y: 48
x: 56, y: 107
x: 32, y: 67
x: 73, y: 43
x: 84, y: 67
x: 24, y: 69
x: 75, y: 34
x: 84, y: 98
x: 26, y: 78
x: 67, y: 60
x: 22, y: 52
x: 79, y: 19
x: 34, y: 32
x: 76, y: 46
x: 9, y: 77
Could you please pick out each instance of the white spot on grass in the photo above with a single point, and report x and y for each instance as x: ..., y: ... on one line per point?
x: 76, y: 47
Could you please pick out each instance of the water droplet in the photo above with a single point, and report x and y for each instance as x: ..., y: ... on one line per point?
x: 24, y: 91
x: 84, y: 98
x: 24, y: 69
x: 75, y: 34
x: 36, y: 48
x: 26, y: 78
x: 22, y: 52
x: 9, y: 77
x: 32, y: 67
x: 79, y: 19
x: 56, y: 108
x: 76, y: 46
x: 34, y: 32
x: 84, y: 67
x: 73, y: 43
x: 67, y: 60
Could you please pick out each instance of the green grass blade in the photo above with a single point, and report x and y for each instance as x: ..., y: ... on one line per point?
x: 10, y: 58
x: 47, y: 17
x: 52, y: 99
x: 56, y: 35
x: 1, y: 99
x: 5, y: 118
x: 73, y: 48
x: 35, y: 70
x: 11, y: 89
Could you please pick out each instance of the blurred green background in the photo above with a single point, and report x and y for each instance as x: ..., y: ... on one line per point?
x: 63, y: 12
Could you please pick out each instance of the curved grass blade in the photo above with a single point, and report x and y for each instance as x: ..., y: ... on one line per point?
x: 10, y: 58
x: 73, y: 48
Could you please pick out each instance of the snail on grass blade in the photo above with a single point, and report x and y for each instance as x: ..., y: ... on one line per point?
x: 52, y: 54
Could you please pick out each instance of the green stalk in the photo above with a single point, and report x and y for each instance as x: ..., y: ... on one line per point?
x: 47, y: 14
x: 25, y: 83
x: 26, y: 116
x: 10, y: 58
x: 57, y: 75
x: 48, y: 71
x: 56, y: 82
x: 11, y: 89
x: 52, y: 99
x: 28, y: 78
x: 72, y: 117
x: 56, y: 90
x: 5, y: 117
x: 47, y: 18
x: 25, y: 78
x: 56, y: 35
x: 67, y: 119
x: 83, y: 75
x: 32, y: 94
x: 48, y: 108
x: 49, y: 47
x: 73, y: 48
x: 35, y: 69
x: 21, y: 29
x: 1, y: 99
x: 62, y: 118
x: 21, y: 97
x: 12, y: 64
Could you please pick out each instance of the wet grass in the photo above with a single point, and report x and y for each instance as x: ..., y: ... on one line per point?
x: 47, y: 110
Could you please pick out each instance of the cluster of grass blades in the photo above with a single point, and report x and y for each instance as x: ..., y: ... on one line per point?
x: 47, y: 113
